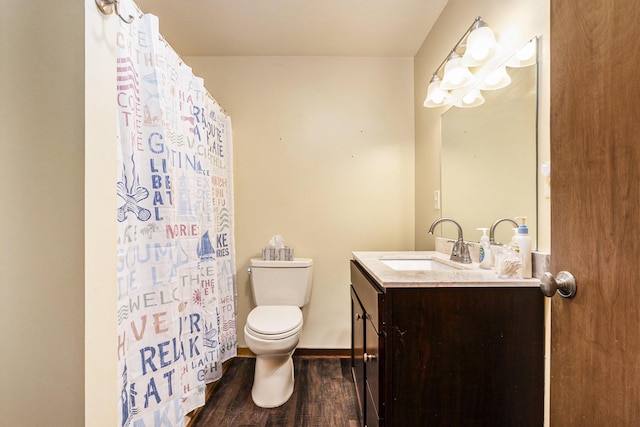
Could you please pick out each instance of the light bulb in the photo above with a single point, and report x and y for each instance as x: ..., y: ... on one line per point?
x: 497, y: 79
x: 456, y: 75
x: 481, y: 44
x: 471, y: 99
x: 492, y: 78
x: 524, y: 56
x: 436, y: 96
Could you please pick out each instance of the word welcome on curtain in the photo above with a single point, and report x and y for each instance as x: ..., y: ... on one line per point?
x: 176, y: 259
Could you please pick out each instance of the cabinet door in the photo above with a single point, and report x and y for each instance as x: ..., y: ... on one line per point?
x: 372, y: 373
x: 370, y: 299
x: 357, y: 350
x: 467, y: 357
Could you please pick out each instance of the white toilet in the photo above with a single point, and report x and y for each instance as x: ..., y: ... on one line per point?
x: 273, y: 328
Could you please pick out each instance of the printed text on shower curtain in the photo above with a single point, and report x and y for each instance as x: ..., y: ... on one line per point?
x: 176, y: 259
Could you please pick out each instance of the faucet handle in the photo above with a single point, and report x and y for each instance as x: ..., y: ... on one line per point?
x: 460, y: 252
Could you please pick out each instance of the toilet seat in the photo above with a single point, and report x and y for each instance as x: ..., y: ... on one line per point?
x: 274, y: 322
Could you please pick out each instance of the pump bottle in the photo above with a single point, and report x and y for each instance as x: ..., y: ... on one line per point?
x: 485, y: 249
x: 522, y: 242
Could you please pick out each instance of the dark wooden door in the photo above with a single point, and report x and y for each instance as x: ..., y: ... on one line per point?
x: 595, y: 211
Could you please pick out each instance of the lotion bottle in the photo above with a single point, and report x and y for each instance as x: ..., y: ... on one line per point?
x: 523, y: 246
x: 485, y: 249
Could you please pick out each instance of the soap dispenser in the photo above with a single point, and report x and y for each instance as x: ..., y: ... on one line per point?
x: 522, y: 243
x: 485, y: 249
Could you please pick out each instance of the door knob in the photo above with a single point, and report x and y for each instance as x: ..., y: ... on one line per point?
x: 564, y: 284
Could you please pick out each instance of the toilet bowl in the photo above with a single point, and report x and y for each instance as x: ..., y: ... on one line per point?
x: 272, y: 334
x: 273, y: 328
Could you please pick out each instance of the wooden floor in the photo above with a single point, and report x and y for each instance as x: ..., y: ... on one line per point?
x: 324, y: 395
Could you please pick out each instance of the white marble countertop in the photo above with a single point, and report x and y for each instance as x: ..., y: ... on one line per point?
x: 465, y: 274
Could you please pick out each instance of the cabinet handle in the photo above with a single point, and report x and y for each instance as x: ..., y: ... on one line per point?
x: 359, y: 317
x: 369, y: 357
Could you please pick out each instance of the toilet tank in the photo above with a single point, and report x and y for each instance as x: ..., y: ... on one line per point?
x: 281, y: 282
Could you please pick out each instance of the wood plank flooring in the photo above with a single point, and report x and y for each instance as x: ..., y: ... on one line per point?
x: 324, y: 395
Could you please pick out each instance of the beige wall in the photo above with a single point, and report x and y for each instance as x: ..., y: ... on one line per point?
x: 56, y: 177
x: 515, y: 21
x: 42, y: 215
x: 323, y: 155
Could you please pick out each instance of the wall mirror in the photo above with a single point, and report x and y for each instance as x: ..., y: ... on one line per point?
x: 489, y: 159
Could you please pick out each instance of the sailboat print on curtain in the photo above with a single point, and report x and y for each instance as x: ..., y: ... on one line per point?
x: 176, y: 257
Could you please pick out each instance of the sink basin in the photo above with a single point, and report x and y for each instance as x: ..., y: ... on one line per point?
x: 418, y: 264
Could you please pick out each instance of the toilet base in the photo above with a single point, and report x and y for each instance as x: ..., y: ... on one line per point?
x: 273, y: 380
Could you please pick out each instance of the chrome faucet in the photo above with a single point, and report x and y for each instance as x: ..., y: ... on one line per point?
x: 492, y: 239
x: 460, y: 252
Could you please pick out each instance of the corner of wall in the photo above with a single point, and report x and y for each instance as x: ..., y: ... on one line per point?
x: 100, y: 329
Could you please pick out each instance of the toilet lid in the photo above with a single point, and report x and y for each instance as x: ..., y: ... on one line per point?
x: 274, y: 320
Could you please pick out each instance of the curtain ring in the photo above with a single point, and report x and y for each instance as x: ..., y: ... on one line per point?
x: 128, y: 20
x: 107, y: 7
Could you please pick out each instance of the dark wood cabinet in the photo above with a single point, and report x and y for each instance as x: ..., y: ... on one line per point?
x: 447, y: 355
x: 367, y: 347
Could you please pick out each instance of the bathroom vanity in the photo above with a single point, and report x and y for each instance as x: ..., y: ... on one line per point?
x: 439, y: 344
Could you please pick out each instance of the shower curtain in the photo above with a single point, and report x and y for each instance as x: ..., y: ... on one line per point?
x: 176, y: 258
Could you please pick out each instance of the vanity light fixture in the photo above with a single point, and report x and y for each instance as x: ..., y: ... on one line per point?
x: 459, y: 85
x: 471, y: 99
x: 481, y: 44
x: 497, y: 79
x: 456, y: 75
x: 436, y: 96
x: 525, y: 56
